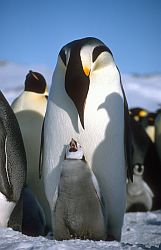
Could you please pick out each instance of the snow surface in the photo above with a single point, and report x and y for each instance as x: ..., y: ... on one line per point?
x: 143, y: 91
x: 140, y: 230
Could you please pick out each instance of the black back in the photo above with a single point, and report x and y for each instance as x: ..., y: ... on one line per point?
x: 15, y: 161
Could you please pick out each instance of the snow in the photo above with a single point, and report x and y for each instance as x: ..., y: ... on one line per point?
x: 143, y: 91
x: 140, y: 230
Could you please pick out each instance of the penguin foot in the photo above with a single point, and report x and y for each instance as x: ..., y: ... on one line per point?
x: 138, y: 207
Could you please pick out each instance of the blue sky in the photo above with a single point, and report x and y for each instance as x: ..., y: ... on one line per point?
x: 33, y: 31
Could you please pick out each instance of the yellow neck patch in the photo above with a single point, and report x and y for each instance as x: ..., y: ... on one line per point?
x: 86, y: 70
x: 143, y: 113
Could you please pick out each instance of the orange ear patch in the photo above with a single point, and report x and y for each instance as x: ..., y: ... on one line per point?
x: 143, y: 113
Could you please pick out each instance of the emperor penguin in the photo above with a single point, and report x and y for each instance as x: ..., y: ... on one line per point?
x: 87, y: 102
x: 139, y: 194
x: 145, y: 154
x: 146, y: 119
x: 158, y: 133
x: 12, y: 166
x: 30, y: 108
x: 33, y: 223
x: 78, y: 193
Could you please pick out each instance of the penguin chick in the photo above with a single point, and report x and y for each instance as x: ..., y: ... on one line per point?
x: 139, y: 194
x: 78, y: 195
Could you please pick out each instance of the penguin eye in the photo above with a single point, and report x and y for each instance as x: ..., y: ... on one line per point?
x: 63, y: 56
x: 136, y: 167
x: 139, y: 169
x: 98, y: 50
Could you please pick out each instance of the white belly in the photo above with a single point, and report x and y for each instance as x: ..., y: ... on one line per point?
x: 6, y: 209
x: 30, y: 110
x: 102, y: 142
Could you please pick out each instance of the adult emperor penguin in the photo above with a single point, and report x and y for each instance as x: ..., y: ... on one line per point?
x: 78, y: 194
x: 158, y: 133
x: 33, y: 223
x: 30, y: 108
x: 87, y: 102
x: 12, y: 165
x: 146, y: 119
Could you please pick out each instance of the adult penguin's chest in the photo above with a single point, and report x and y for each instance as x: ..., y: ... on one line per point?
x: 103, y: 116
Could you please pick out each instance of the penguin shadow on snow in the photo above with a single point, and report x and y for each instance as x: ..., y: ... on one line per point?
x: 114, y: 132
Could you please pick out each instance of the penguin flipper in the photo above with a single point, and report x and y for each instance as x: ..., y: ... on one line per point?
x: 127, y: 136
x: 97, y: 189
x: 128, y: 141
x: 41, y: 151
x: 5, y: 184
x: 148, y: 189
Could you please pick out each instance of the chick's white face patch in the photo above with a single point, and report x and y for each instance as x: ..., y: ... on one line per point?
x: 74, y: 150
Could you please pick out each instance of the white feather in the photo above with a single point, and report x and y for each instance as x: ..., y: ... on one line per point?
x: 96, y: 186
x: 6, y: 209
x: 6, y: 162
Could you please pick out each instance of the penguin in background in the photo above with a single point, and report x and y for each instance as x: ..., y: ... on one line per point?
x: 87, y: 102
x: 145, y: 156
x: 139, y: 194
x: 138, y: 113
x: 158, y: 132
x: 78, y: 192
x: 12, y: 168
x: 140, y: 141
x: 146, y: 119
x: 33, y: 223
x: 30, y: 108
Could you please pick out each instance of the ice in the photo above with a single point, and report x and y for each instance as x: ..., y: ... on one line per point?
x: 140, y: 231
x: 143, y: 91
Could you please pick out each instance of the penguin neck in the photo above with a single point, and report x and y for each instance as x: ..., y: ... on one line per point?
x: 75, y: 159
